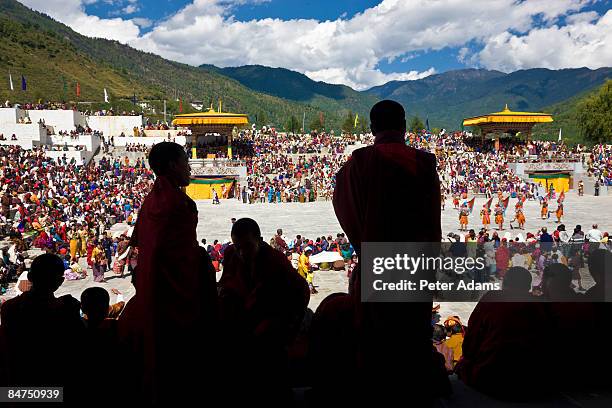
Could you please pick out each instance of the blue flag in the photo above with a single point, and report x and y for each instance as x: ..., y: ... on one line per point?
x: 427, y: 124
x: 24, y: 85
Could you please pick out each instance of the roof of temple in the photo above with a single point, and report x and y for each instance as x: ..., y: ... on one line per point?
x: 211, y: 117
x: 508, y: 116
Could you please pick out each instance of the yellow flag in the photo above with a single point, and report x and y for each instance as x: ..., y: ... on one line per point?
x: 356, y: 120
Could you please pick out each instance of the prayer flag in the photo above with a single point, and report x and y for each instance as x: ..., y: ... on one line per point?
x: 78, y: 89
x: 559, y: 134
x: 504, y: 203
x: 181, y: 105
x: 471, y: 204
x: 24, y: 84
x: 105, y: 96
x: 356, y: 120
x: 427, y: 124
x: 11, y: 81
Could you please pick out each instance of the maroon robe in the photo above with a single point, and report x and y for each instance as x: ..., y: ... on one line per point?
x: 174, y: 309
x: 390, y: 192
x: 262, y: 306
x: 507, y: 342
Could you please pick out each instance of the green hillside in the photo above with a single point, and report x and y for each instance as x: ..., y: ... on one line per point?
x: 44, y: 50
x: 449, y: 97
x: 298, y: 87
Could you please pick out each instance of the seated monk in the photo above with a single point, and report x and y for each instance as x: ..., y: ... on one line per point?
x: 262, y: 304
x: 600, y: 268
x: 170, y: 322
x: 39, y: 328
x: 572, y: 316
x: 504, y: 340
x: 400, y: 330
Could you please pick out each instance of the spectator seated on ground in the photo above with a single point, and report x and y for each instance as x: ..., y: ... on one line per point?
x: 503, y: 343
x: 42, y: 327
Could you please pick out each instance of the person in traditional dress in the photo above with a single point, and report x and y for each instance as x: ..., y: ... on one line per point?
x: 485, y: 214
x: 520, y: 217
x: 262, y: 302
x: 83, y: 235
x: 559, y: 211
x: 544, y: 209
x: 456, y: 201
x: 464, y: 212
x: 499, y: 217
x: 504, y: 328
x: 73, y: 237
x: 169, y: 324
x: 580, y: 188
x: 97, y: 263
x: 367, y: 215
x: 215, y: 197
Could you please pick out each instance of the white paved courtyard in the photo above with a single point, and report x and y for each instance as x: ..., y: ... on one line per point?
x: 316, y: 219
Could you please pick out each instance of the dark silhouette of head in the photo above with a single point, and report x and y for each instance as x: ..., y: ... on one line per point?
x: 95, y: 303
x: 170, y: 160
x: 387, y: 115
x: 598, y: 261
x: 556, y: 280
x: 46, y: 273
x: 517, y: 279
x: 246, y: 237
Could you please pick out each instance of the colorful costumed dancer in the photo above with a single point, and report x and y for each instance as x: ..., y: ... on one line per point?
x: 499, y: 217
x: 544, y: 209
x: 559, y: 212
x: 485, y: 214
x: 463, y: 217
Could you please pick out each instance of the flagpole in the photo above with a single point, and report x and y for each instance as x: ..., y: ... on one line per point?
x: 304, y: 123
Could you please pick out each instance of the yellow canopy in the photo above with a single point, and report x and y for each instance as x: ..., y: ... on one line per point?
x: 211, y: 118
x: 508, y: 116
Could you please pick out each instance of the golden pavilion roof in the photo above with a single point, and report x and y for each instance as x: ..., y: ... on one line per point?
x: 508, y: 116
x: 211, y: 117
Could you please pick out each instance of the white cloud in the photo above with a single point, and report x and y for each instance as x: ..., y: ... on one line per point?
x: 582, y: 44
x: 142, y: 22
x: 350, y: 51
x: 130, y: 9
x: 72, y: 13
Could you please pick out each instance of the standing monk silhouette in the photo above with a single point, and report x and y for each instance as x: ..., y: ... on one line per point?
x: 390, y: 192
x: 173, y: 314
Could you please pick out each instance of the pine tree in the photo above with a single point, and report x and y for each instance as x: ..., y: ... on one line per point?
x: 416, y: 124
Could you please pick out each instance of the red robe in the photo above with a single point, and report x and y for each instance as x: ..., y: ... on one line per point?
x: 503, y: 340
x: 390, y: 192
x: 174, y: 308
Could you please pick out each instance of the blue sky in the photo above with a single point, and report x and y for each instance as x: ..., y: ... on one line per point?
x: 364, y: 42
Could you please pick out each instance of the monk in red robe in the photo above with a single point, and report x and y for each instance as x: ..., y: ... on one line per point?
x: 262, y: 302
x: 170, y: 319
x: 504, y: 330
x: 393, y: 339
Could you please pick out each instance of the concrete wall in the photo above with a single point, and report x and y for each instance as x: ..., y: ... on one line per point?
x: 11, y: 115
x: 522, y: 168
x: 114, y: 125
x: 79, y: 156
x: 90, y: 142
x: 28, y: 135
x: 63, y: 120
x: 149, y: 141
x: 162, y: 133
